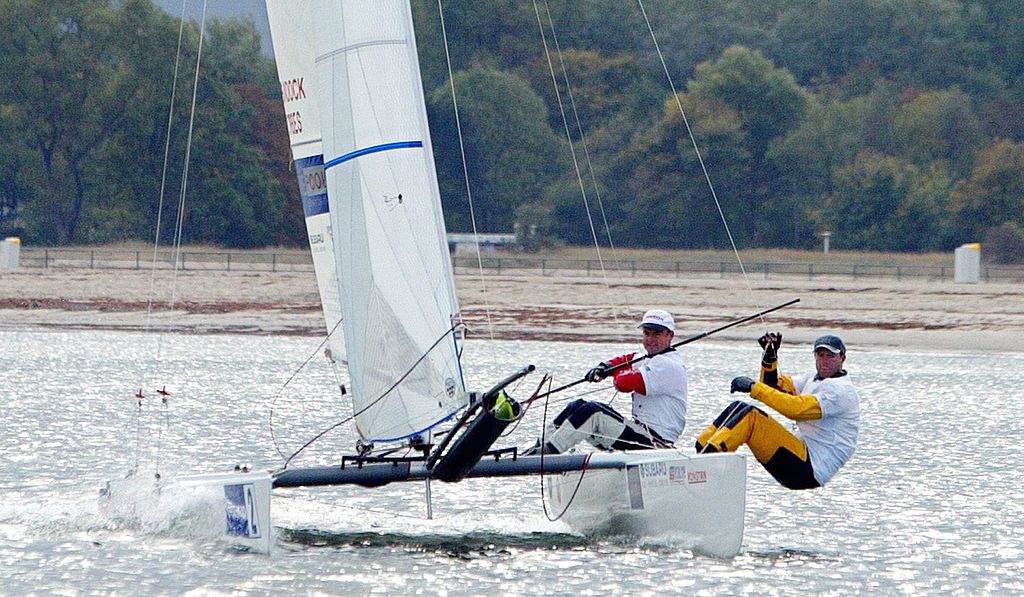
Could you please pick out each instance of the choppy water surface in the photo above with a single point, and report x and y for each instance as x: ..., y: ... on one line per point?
x: 931, y: 502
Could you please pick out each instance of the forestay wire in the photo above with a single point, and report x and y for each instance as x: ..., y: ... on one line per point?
x: 465, y: 172
x: 696, y: 149
x: 280, y: 391
x: 568, y: 135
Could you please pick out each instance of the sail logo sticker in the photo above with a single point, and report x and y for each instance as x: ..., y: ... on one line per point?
x: 242, y: 517
x: 449, y: 387
x: 676, y: 474
x: 697, y: 477
x: 653, y: 469
x: 293, y: 89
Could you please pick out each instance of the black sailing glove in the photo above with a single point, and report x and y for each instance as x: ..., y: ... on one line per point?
x: 770, y: 344
x: 741, y: 384
x: 597, y: 373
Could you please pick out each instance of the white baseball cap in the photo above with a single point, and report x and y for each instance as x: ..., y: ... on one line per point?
x: 658, y: 319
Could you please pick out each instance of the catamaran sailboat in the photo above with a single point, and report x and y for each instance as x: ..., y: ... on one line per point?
x: 400, y: 310
x: 363, y: 155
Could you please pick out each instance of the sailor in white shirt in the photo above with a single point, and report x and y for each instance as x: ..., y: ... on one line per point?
x: 658, y: 387
x: 824, y: 405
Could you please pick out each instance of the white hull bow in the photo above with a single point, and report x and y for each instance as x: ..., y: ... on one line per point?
x: 696, y: 500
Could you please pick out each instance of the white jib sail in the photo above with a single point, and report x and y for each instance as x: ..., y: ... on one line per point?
x: 291, y: 28
x: 397, y: 292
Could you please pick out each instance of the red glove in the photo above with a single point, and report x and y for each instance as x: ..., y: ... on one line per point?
x: 621, y: 360
x: 630, y: 380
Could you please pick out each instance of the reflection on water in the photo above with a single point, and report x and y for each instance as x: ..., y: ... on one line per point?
x: 930, y: 502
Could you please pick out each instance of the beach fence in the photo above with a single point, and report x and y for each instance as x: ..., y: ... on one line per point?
x: 632, y: 268
x: 296, y: 260
x: 251, y: 261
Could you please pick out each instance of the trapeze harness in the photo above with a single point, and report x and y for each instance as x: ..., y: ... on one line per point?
x: 827, y: 412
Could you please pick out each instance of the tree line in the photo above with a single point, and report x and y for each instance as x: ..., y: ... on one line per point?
x: 84, y: 119
x: 893, y: 124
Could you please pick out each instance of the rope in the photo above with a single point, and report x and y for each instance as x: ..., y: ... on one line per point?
x: 163, y: 172
x: 373, y: 402
x: 273, y: 403
x: 696, y: 149
x: 181, y: 201
x: 465, y: 173
x: 568, y: 136
x: 159, y: 221
x: 583, y: 470
x: 586, y: 155
x: 185, y: 166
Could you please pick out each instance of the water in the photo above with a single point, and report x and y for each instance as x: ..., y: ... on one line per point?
x: 930, y: 504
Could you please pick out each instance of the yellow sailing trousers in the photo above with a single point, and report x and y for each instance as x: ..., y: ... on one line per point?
x: 780, y: 452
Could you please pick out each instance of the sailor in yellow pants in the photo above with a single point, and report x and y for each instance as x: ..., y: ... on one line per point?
x: 824, y: 405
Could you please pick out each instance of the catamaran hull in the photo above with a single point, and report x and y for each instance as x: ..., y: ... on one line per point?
x: 232, y: 507
x: 693, y: 500
x: 697, y: 500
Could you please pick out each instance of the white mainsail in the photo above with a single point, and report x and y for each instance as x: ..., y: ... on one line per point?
x: 291, y: 28
x: 397, y: 292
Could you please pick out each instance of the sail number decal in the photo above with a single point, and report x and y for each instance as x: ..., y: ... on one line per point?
x: 314, y: 181
x: 240, y: 508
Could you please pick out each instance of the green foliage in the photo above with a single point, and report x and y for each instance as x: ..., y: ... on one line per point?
x: 88, y: 114
x: 865, y: 194
x: 921, y: 222
x: 767, y: 99
x: 65, y: 79
x: 1005, y: 243
x: 15, y: 161
x: 664, y: 196
x: 994, y: 193
x: 885, y: 203
x: 939, y: 125
x: 922, y: 42
x: 508, y: 165
x: 896, y: 124
x: 602, y: 88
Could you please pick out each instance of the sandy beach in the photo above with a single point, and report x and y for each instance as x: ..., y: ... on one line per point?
x: 909, y: 314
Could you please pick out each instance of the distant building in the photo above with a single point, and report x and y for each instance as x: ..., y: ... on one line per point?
x: 463, y: 244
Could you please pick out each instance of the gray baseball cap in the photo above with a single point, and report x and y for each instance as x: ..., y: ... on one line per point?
x: 832, y: 343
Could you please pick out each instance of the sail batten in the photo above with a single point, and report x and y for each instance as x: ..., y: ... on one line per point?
x: 365, y: 44
x: 374, y: 149
x: 397, y: 293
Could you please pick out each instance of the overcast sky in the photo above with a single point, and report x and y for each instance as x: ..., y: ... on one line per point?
x: 254, y: 10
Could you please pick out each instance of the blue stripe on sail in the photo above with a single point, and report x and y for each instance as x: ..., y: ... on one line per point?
x: 420, y: 432
x: 312, y: 185
x: 372, y: 149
